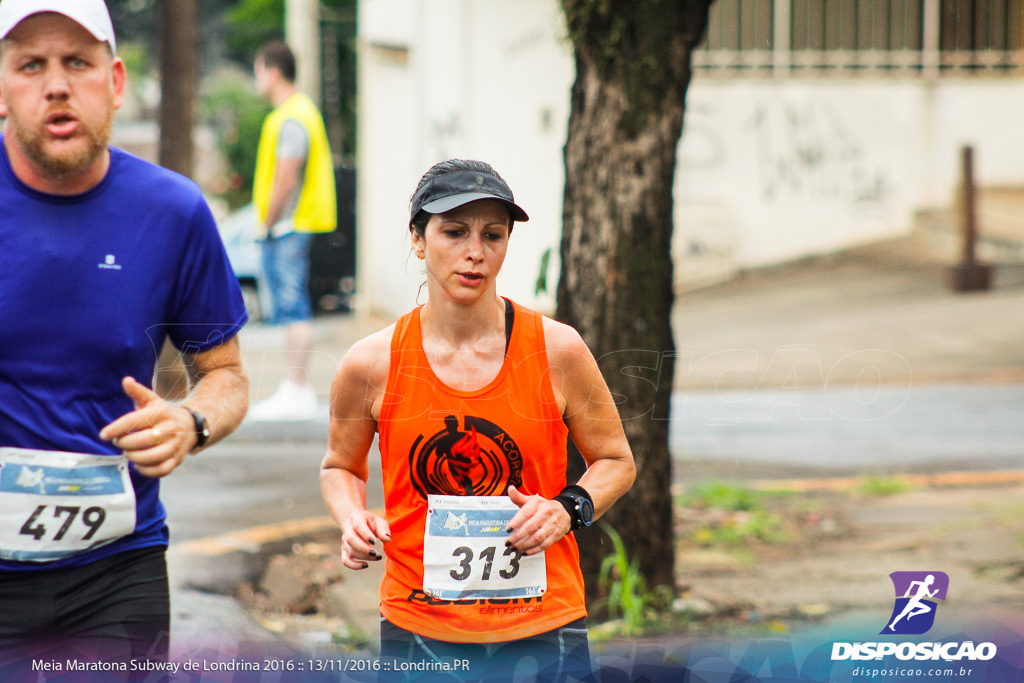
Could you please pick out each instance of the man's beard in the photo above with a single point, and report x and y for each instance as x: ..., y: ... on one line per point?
x: 65, y: 163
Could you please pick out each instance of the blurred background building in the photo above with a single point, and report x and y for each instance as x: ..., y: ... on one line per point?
x: 811, y: 126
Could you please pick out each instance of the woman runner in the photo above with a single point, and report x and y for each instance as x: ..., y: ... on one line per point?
x: 473, y: 397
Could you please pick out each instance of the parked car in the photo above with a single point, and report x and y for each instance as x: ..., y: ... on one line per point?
x: 332, y: 257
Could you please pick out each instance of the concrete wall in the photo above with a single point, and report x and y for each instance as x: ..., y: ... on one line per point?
x: 480, y: 80
x: 768, y: 170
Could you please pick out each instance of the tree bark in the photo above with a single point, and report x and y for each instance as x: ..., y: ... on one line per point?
x: 632, y: 71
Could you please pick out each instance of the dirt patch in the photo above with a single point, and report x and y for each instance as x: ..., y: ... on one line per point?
x: 788, y: 560
x: 832, y: 552
x: 302, y: 596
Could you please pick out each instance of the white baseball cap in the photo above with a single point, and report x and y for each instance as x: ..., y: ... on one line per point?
x: 91, y: 14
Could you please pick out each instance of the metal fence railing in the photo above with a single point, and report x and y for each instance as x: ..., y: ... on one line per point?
x: 875, y: 38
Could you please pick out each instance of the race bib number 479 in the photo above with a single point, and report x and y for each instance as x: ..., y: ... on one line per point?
x: 465, y: 556
x: 54, y: 505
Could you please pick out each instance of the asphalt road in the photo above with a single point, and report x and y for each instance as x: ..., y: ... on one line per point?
x: 264, y: 474
x: 227, y: 508
x: 269, y: 473
x: 849, y: 431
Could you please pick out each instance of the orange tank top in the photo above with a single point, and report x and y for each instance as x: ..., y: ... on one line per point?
x: 508, y: 432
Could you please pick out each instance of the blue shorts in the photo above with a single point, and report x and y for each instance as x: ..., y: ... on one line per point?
x: 286, y: 277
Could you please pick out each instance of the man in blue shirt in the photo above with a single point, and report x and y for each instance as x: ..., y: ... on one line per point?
x: 102, y: 257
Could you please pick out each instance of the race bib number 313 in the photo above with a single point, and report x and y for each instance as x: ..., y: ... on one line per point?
x: 54, y: 505
x: 465, y: 556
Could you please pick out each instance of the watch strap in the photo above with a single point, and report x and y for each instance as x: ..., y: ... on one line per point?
x: 570, y: 498
x: 201, y: 426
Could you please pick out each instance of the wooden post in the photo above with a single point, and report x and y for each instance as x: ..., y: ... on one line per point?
x: 970, y: 227
x: 969, y: 275
x: 179, y: 60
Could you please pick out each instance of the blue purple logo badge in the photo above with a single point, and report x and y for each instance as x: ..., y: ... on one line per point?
x: 917, y: 594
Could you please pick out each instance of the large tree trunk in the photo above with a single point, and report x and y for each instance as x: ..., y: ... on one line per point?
x: 179, y: 58
x: 632, y: 71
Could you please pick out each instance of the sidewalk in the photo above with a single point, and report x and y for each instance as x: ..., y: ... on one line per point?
x: 266, y: 357
x: 833, y: 317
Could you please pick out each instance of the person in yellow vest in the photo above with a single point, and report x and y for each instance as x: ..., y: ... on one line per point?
x: 294, y: 196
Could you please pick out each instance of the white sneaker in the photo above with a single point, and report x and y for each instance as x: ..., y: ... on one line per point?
x: 291, y: 402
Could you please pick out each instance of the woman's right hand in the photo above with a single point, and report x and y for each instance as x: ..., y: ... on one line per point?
x: 359, y: 536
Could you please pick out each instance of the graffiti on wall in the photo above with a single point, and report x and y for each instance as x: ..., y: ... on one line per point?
x: 807, y: 151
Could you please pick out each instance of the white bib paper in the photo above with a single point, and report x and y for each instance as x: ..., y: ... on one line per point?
x: 54, y: 504
x: 465, y: 556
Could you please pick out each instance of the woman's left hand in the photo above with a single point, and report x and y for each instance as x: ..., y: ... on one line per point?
x: 538, y: 525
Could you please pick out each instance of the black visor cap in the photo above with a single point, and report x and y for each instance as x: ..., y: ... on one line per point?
x: 452, y: 190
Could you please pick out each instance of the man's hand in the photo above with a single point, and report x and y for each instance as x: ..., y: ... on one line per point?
x: 156, y: 436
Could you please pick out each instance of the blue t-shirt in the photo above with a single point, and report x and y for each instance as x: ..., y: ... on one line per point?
x: 90, y: 287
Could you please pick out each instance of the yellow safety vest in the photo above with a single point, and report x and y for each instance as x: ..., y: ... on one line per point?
x: 317, y: 209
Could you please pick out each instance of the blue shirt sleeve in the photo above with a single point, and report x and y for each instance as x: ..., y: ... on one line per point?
x: 206, y: 307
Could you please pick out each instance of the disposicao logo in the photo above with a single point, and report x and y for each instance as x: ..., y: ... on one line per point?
x: 916, y: 596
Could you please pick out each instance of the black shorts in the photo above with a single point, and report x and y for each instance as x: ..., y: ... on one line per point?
x: 114, y: 609
x: 562, y: 654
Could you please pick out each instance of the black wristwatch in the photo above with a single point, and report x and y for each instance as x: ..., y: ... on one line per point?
x: 578, y: 503
x: 202, y: 429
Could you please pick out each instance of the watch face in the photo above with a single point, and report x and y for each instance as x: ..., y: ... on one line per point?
x: 586, y: 511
